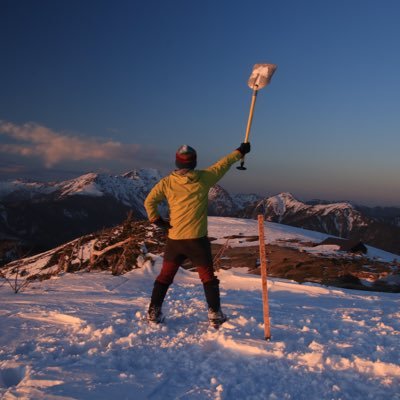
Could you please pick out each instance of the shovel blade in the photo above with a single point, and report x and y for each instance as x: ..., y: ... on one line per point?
x: 261, y: 76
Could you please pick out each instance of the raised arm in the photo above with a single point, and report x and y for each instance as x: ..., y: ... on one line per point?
x: 214, y: 173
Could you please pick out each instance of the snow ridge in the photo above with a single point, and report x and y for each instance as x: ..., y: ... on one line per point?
x: 129, y: 188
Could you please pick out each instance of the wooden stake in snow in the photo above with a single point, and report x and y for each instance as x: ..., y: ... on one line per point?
x: 263, y: 266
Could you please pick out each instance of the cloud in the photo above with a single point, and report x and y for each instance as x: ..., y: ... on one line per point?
x: 34, y: 140
x: 11, y: 169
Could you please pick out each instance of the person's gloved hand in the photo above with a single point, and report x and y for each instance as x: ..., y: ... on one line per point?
x: 244, y: 148
x: 162, y: 224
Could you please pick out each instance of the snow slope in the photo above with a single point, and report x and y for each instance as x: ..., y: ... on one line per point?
x: 275, y: 233
x: 82, y: 336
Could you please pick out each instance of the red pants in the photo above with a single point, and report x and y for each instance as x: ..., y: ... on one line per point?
x: 198, y: 251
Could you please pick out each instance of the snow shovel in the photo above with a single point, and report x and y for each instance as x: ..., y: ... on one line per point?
x: 259, y: 78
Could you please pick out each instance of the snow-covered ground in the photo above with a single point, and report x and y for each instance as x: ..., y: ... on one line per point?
x: 82, y: 336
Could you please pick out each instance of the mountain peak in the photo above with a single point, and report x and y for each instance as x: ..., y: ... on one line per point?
x: 287, y: 196
x: 220, y: 202
x: 85, y: 184
x: 337, y: 218
x: 151, y: 174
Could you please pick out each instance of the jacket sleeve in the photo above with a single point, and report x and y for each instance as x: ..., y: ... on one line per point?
x: 214, y: 173
x: 153, y: 199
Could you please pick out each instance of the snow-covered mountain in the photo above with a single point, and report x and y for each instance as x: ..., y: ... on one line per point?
x: 245, y: 200
x: 339, y: 219
x: 220, y: 202
x: 37, y: 216
x: 129, y: 189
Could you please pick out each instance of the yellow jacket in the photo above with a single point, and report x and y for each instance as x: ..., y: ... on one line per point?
x: 187, y: 197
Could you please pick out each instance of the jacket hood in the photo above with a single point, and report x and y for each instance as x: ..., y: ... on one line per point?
x: 190, y: 176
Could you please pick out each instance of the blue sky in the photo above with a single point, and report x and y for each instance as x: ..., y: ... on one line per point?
x: 113, y: 85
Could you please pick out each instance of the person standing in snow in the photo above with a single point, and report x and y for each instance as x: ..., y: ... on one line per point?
x: 186, y: 191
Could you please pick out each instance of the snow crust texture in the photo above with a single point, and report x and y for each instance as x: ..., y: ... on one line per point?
x: 83, y: 336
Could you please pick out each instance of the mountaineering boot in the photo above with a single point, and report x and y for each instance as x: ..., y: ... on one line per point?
x: 215, y: 316
x: 154, y: 313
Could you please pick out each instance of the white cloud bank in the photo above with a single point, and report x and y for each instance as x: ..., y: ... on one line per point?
x: 34, y: 140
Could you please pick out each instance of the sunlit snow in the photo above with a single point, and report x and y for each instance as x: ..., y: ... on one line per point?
x: 83, y: 336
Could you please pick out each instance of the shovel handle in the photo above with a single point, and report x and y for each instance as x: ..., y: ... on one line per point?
x: 249, y: 122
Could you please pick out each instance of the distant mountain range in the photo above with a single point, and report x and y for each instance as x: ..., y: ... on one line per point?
x: 37, y: 216
x: 339, y: 219
x: 377, y: 226
x: 129, y: 189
